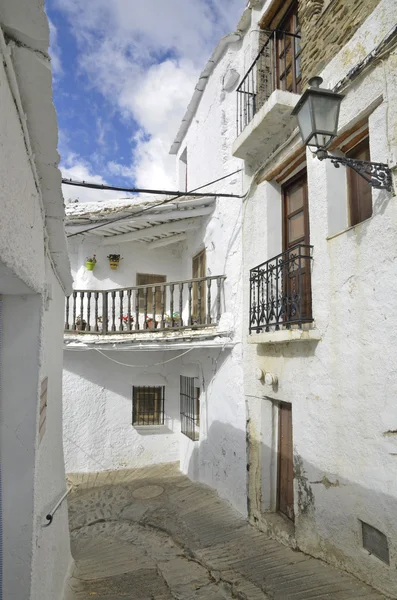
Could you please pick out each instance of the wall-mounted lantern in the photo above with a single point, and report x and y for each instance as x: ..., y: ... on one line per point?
x: 317, y: 113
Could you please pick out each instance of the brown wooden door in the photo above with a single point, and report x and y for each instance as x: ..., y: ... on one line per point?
x: 285, y: 487
x: 199, y: 270
x: 288, y: 53
x: 296, y: 235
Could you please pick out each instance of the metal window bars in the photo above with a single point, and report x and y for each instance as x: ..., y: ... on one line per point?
x: 177, y: 305
x: 280, y: 291
x: 148, y: 405
x: 277, y: 66
x: 190, y: 408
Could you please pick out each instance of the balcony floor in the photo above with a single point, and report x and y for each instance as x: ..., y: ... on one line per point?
x: 205, y: 337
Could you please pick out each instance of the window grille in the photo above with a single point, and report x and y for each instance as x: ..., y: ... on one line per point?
x: 148, y: 405
x: 190, y: 408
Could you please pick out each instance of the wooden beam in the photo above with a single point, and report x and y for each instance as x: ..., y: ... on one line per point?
x: 175, y: 227
x: 145, y: 218
x: 173, y: 239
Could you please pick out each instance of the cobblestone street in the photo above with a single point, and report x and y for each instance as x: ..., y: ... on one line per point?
x: 153, y: 534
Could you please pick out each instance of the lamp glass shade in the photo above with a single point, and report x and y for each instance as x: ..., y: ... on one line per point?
x: 325, y: 110
x: 304, y: 117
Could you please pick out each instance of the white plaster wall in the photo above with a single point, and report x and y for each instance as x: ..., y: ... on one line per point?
x: 136, y: 258
x: 51, y: 549
x: 219, y: 458
x: 21, y: 226
x: 342, y: 388
x: 98, y: 431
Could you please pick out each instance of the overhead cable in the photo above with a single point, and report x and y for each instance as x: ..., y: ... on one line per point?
x: 152, y: 206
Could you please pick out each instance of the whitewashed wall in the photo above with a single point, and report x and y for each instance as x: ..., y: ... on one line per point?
x: 26, y: 469
x: 342, y: 388
x: 51, y: 549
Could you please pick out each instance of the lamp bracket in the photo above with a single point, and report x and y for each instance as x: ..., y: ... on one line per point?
x: 378, y: 175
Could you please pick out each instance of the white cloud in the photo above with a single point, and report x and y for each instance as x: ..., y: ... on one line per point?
x: 145, y: 57
x: 55, y: 51
x: 74, y: 167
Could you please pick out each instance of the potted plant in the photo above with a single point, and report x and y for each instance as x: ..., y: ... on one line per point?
x: 124, y: 319
x: 175, y: 317
x: 80, y: 323
x: 150, y: 323
x: 90, y: 262
x: 114, y: 260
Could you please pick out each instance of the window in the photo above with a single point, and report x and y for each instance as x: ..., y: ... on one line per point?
x: 190, y: 408
x: 199, y: 271
x: 288, y: 52
x: 148, y: 405
x: 146, y: 304
x: 360, y: 192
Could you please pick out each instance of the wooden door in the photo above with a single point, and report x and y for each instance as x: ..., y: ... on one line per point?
x: 296, y: 239
x: 199, y: 289
x: 288, y: 53
x: 285, y: 487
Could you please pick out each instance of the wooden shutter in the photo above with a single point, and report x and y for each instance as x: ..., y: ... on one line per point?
x: 359, y: 190
x: 147, y: 279
x: 199, y: 270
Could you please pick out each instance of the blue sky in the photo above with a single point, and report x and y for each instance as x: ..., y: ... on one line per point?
x: 124, y: 72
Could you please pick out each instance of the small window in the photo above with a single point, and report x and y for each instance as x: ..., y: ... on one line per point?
x: 148, y: 405
x: 146, y: 303
x: 375, y: 542
x: 360, y: 194
x: 190, y: 408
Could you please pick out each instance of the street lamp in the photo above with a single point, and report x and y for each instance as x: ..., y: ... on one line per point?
x: 317, y: 113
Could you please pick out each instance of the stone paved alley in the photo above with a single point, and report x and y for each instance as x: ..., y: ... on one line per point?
x: 153, y: 534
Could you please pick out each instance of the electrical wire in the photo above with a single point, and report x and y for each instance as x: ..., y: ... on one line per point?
x: 133, y: 366
x: 151, y: 207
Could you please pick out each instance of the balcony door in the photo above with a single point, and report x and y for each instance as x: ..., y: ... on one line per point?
x: 296, y: 240
x: 199, y: 270
x: 288, y: 53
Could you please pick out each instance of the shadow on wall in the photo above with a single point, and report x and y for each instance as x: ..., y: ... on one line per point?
x: 329, y: 509
x: 220, y: 462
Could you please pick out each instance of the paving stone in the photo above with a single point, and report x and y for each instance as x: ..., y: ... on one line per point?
x: 152, y: 533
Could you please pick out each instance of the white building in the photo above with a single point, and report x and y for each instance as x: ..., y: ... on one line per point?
x: 126, y: 405
x: 316, y: 316
x: 34, y: 276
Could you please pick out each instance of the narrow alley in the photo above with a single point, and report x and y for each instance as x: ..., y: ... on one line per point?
x: 152, y: 533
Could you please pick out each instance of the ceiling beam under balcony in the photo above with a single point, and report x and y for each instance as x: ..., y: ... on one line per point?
x: 173, y: 239
x: 156, y: 230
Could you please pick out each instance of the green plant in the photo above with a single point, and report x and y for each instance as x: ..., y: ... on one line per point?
x: 114, y: 257
x: 91, y: 259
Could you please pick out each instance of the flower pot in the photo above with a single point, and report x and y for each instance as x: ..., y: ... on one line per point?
x: 114, y: 264
x: 90, y: 265
x: 150, y: 324
x: 81, y: 326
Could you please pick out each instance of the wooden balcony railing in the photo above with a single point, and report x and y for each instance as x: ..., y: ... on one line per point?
x: 177, y: 305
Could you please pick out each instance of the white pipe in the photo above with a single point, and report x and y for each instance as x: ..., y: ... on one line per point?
x: 51, y: 514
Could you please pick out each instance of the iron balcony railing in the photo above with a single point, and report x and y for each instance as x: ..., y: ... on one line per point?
x: 280, y: 291
x: 277, y: 66
x: 175, y: 305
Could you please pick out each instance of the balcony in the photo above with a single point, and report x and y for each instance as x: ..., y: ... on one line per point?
x: 280, y: 296
x: 161, y: 309
x: 266, y: 96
